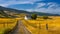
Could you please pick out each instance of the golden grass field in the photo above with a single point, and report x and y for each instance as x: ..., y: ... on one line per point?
x: 6, y: 23
x: 39, y: 26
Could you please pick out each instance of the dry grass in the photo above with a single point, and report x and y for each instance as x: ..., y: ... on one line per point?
x: 6, y: 23
x: 39, y: 26
x: 34, y: 26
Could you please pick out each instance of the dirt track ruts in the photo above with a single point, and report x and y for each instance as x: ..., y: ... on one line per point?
x: 20, y: 29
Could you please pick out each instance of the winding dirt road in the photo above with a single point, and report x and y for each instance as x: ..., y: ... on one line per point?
x: 20, y: 29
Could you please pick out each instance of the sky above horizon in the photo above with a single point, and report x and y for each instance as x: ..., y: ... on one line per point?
x: 47, y: 6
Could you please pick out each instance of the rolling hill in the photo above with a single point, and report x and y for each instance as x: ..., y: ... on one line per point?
x: 7, y: 11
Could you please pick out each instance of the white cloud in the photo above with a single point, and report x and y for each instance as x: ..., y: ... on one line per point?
x: 40, y: 5
x: 13, y: 2
x: 6, y: 3
x: 52, y: 8
x: 53, y: 5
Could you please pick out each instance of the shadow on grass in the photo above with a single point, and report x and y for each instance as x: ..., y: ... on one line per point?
x: 7, y: 31
x: 53, y: 32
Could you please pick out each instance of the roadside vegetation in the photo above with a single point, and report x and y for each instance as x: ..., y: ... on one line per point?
x: 6, y: 23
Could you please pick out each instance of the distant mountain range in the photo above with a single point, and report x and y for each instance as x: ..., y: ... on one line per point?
x: 22, y: 11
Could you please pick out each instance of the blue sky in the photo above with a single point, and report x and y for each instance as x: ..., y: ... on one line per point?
x: 47, y: 6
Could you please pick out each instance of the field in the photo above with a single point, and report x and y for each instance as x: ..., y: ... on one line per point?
x: 6, y: 23
x: 38, y: 26
x: 43, y: 26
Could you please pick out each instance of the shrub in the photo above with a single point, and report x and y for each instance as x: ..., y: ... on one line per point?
x: 34, y: 16
x: 45, y: 17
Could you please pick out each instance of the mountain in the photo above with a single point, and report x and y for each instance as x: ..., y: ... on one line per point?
x: 46, y: 14
x: 8, y: 11
x: 5, y: 12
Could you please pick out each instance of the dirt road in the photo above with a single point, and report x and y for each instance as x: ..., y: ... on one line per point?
x: 20, y: 29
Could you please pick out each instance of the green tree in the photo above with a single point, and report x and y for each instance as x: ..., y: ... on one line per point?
x: 34, y: 16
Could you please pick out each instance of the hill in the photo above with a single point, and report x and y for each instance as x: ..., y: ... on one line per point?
x: 8, y: 11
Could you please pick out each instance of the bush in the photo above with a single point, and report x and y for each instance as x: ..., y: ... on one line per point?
x: 34, y: 16
x: 45, y: 17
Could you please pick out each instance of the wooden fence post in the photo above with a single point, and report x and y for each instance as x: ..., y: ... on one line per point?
x: 46, y: 26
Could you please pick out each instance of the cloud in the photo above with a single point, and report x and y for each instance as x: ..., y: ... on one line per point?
x: 6, y: 3
x: 39, y: 5
x: 13, y: 3
x: 51, y: 8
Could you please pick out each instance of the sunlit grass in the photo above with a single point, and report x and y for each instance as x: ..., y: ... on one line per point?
x: 6, y: 23
x: 39, y: 26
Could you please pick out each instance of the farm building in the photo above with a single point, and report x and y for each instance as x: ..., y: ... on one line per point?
x: 27, y: 17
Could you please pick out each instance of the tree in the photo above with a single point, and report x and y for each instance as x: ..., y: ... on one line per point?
x: 34, y: 16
